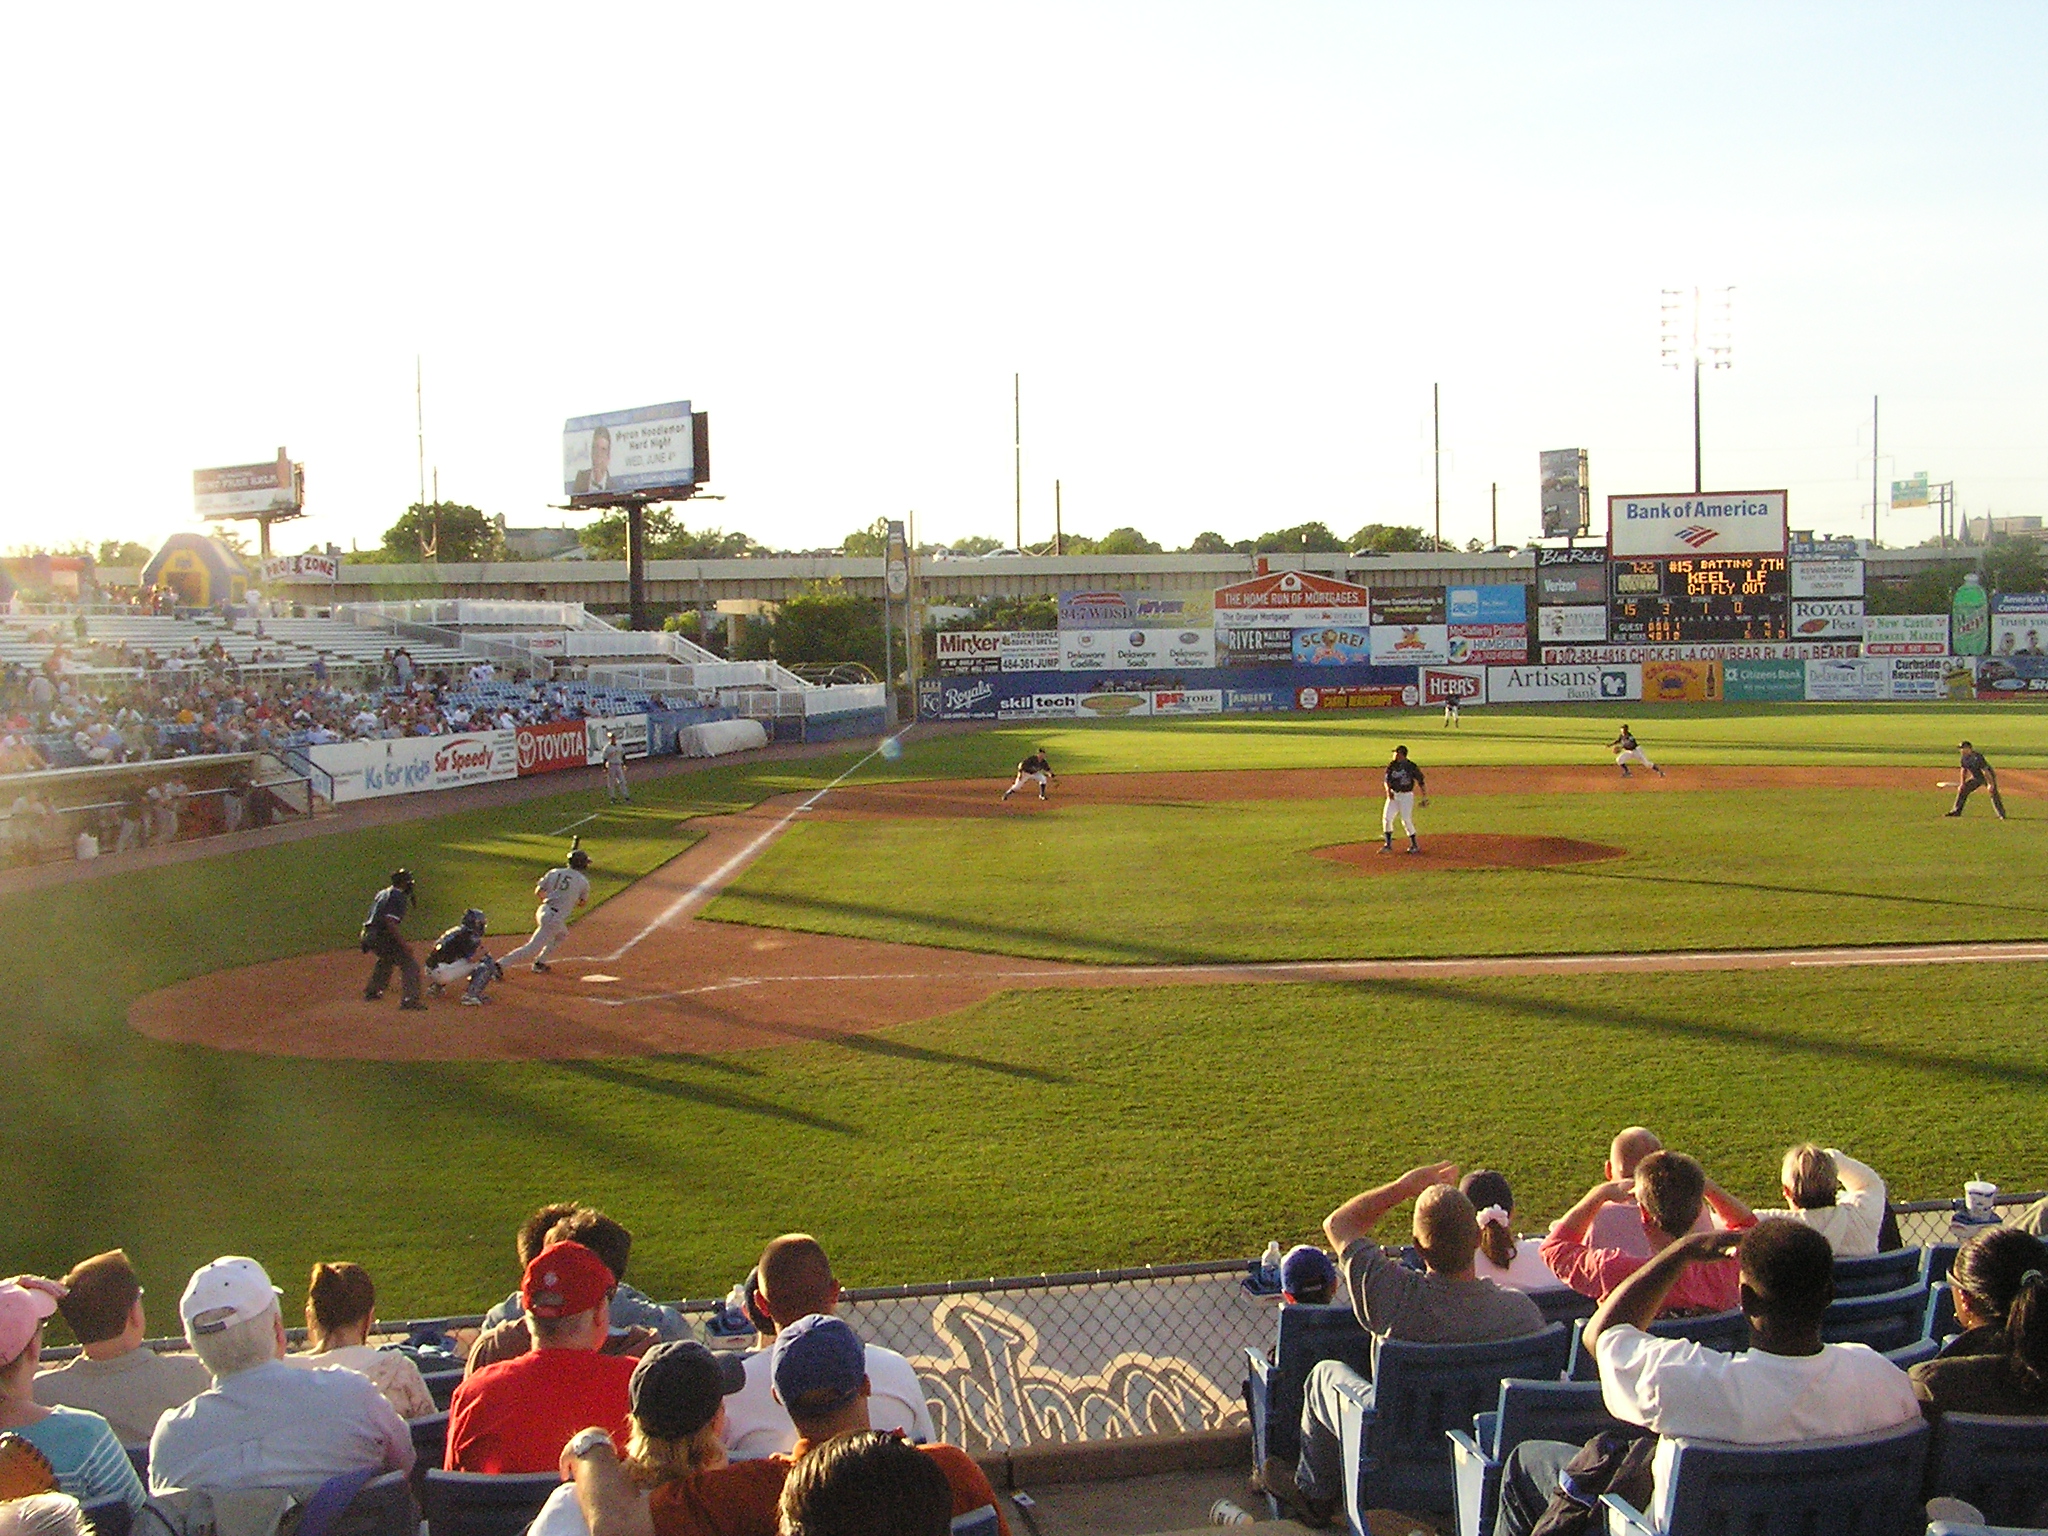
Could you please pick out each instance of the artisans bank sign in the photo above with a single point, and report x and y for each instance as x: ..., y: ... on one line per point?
x: 1721, y: 523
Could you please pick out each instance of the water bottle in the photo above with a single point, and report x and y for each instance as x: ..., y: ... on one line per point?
x: 1270, y: 1259
x: 1223, y: 1512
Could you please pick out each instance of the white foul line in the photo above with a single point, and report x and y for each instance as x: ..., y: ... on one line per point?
x: 710, y: 886
x: 575, y: 824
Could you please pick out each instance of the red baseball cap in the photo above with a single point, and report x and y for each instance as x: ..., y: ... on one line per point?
x: 563, y: 1280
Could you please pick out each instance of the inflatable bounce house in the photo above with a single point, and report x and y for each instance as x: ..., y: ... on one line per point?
x: 200, y: 569
x: 44, y: 578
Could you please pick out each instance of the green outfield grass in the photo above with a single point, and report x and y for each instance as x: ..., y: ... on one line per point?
x: 1044, y: 1130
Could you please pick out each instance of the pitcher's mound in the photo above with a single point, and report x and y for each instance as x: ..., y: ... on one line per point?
x: 1467, y: 850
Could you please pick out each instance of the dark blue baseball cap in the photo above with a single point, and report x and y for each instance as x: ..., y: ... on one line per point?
x: 1307, y: 1271
x: 819, y: 1365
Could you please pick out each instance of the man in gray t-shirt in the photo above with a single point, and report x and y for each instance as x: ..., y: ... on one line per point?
x: 1445, y: 1303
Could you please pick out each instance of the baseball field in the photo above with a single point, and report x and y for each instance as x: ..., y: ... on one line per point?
x: 1179, y: 1009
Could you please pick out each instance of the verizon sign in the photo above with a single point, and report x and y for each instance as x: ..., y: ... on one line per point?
x: 1724, y: 523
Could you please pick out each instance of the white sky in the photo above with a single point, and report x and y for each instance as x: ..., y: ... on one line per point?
x: 1228, y: 247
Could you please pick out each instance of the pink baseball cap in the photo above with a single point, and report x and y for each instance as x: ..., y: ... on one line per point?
x: 22, y: 1311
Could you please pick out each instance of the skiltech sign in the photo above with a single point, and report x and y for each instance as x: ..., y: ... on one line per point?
x: 1723, y: 523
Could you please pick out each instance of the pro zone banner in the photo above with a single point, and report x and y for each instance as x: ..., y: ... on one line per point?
x: 551, y: 748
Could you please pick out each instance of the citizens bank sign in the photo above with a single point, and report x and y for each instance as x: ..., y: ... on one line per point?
x: 1724, y: 523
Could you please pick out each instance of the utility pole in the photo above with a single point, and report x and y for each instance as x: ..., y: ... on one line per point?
x: 1697, y: 486
x: 1873, y: 471
x: 1495, y: 540
x: 1058, y: 526
x: 419, y: 406
x: 1017, y: 449
x: 1436, y: 453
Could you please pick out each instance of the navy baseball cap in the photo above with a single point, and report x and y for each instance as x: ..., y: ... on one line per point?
x: 676, y: 1388
x: 820, y: 1365
x: 1307, y: 1270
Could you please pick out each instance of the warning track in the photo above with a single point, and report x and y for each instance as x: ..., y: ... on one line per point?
x: 647, y: 977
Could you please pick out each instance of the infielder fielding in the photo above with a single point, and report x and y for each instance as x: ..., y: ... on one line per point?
x: 1035, y: 769
x: 615, y: 768
x: 1626, y: 751
x: 381, y: 938
x: 1403, y: 779
x: 459, y: 955
x: 1977, y: 774
x: 561, y: 891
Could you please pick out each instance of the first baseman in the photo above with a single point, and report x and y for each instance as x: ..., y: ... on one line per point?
x: 1977, y: 774
x: 1403, y: 779
x: 1037, y: 768
x: 459, y: 955
x: 615, y: 768
x: 1626, y: 751
x: 561, y: 891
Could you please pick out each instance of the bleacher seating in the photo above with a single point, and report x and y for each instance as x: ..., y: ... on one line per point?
x: 1942, y: 1322
x: 430, y: 1437
x: 1936, y: 1259
x: 1998, y: 1464
x: 1878, y: 1272
x: 483, y: 1503
x: 1273, y: 1388
x: 1395, y: 1428
x: 1888, y: 1320
x: 1864, y: 1485
x: 441, y: 1385
x: 1571, y: 1411
x: 1726, y: 1331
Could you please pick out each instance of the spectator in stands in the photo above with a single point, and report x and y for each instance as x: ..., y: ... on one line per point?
x: 516, y: 1416
x: 1307, y: 1277
x: 80, y: 1446
x: 264, y: 1424
x: 1503, y: 1259
x: 43, y: 1514
x: 1837, y: 1196
x: 341, y: 1314
x: 642, y: 1320
x: 676, y: 1426
x: 866, y: 1485
x: 1446, y: 1303
x: 1670, y: 1190
x: 116, y: 1375
x: 1999, y: 1363
x: 796, y: 1282
x: 1618, y: 1225
x: 1787, y: 1386
x: 818, y: 1367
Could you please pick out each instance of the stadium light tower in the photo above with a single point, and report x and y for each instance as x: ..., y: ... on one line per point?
x: 1698, y: 324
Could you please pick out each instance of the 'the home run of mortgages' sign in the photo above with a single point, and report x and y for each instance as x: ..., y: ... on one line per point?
x: 1720, y: 523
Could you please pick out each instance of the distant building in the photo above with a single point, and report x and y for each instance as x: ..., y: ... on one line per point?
x: 1981, y: 529
x: 539, y: 543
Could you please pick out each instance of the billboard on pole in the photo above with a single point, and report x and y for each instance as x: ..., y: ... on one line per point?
x: 644, y: 452
x: 1566, y: 494
x: 243, y: 490
x: 1911, y: 493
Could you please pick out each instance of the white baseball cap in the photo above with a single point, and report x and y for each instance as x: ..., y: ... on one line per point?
x: 229, y: 1290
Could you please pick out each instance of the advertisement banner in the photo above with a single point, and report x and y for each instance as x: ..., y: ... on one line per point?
x: 1358, y: 696
x: 1748, y: 650
x: 632, y: 734
x: 1262, y: 647
x: 1844, y: 682
x: 964, y: 699
x: 1031, y: 650
x: 1487, y: 624
x: 551, y: 748
x: 2011, y: 677
x: 476, y: 757
x: 1465, y: 684
x: 1919, y: 677
x: 970, y: 650
x: 1484, y: 644
x: 1114, y: 704
x: 1256, y: 701
x: 1331, y: 647
x: 1571, y: 626
x: 1188, y: 701
x: 281, y: 569
x: 1681, y: 682
x: 1135, y: 650
x: 1566, y: 578
x: 1831, y: 619
x: 2019, y: 620
x: 1136, y: 610
x: 1827, y: 578
x: 1566, y: 492
x: 1760, y: 682
x: 1408, y: 605
x: 1290, y: 592
x: 1501, y: 603
x: 367, y: 770
x: 1728, y: 523
x: 1905, y: 634
x: 1564, y: 685
x: 1408, y: 645
x: 649, y: 448
x: 246, y: 488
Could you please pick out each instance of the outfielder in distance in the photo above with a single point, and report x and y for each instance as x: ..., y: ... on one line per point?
x: 615, y: 768
x: 1977, y: 774
x: 1037, y: 768
x: 1403, y: 778
x: 561, y: 891
x: 1626, y: 751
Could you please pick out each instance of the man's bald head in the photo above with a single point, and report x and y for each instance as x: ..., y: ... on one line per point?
x: 1446, y: 1229
x: 1630, y: 1148
x: 795, y: 1278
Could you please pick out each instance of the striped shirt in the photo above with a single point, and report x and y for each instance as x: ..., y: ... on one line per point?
x: 87, y: 1458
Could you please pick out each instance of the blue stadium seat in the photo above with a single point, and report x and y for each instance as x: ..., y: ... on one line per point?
x: 1998, y: 1464
x: 1941, y: 1312
x: 430, y: 1437
x: 1877, y: 1272
x: 367, y: 1505
x: 1936, y: 1259
x: 1906, y: 1356
x: 1861, y: 1485
x: 977, y: 1522
x: 1888, y: 1320
x: 138, y: 1456
x: 1727, y: 1332
x: 483, y: 1503
x: 1960, y: 1528
x: 1273, y: 1388
x: 1571, y: 1411
x: 1563, y: 1304
x: 1395, y: 1428
x: 441, y: 1385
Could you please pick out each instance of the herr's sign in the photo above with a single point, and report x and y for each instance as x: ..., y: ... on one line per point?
x: 1722, y: 523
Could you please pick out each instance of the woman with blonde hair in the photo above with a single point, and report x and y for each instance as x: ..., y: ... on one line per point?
x: 341, y: 1314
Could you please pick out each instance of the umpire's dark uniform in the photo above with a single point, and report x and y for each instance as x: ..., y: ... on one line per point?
x: 380, y: 938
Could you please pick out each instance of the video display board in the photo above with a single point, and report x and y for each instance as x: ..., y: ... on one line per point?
x: 1699, y: 599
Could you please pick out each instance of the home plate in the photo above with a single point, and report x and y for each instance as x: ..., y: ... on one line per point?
x: 599, y: 976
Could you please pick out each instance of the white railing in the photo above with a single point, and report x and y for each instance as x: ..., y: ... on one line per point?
x: 501, y: 613
x: 845, y: 698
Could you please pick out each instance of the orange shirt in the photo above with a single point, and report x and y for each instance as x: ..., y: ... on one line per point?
x: 741, y: 1500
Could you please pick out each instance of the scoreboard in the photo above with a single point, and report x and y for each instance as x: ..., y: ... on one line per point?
x: 1699, y: 600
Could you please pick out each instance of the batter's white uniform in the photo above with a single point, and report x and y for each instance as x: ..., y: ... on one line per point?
x: 561, y: 892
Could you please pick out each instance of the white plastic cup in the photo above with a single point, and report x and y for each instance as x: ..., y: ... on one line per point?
x: 1981, y: 1198
x: 1223, y: 1512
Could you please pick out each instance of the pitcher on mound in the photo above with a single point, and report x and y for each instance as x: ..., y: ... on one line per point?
x: 1403, y: 779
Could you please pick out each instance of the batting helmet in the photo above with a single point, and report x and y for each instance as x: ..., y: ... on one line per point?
x: 402, y: 878
x: 578, y: 859
x: 473, y: 920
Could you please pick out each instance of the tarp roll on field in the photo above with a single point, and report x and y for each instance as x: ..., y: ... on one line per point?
x: 715, y: 738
